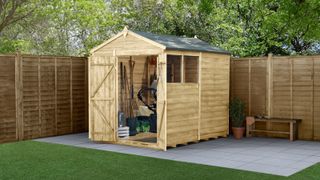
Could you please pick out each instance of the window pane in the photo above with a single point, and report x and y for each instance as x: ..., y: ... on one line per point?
x: 173, y: 69
x: 191, y: 73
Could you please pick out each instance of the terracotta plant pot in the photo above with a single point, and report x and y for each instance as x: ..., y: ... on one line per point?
x: 238, y: 132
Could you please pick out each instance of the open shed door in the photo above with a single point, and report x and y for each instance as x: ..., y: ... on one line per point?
x: 102, y: 98
x: 161, y: 102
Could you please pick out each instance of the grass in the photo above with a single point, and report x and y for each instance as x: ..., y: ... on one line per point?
x: 36, y: 160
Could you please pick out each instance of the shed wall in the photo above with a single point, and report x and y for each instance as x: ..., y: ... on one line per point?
x: 214, y: 89
x: 182, y: 113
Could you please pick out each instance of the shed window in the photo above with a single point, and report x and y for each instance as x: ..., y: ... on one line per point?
x: 191, y: 74
x: 174, y: 69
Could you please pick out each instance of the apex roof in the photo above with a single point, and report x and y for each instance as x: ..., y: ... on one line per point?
x: 169, y: 42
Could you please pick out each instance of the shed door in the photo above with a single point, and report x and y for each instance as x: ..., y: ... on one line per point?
x: 102, y: 98
x: 161, y: 102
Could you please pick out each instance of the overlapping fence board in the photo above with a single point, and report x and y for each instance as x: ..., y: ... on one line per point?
x: 8, y: 128
x: 286, y: 87
x: 79, y: 85
x: 253, y: 80
x: 42, y: 96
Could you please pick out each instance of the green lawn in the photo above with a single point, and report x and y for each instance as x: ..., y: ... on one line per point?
x: 35, y: 160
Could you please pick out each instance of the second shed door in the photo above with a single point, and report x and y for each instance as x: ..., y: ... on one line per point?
x: 102, y: 98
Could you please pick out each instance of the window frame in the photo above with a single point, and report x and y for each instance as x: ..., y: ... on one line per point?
x: 182, y: 68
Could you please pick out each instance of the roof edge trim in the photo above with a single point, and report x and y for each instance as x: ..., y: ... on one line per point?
x: 125, y: 31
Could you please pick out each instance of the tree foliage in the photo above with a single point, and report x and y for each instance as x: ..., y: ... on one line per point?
x: 246, y: 28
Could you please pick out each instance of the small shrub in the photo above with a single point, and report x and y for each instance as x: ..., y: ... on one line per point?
x: 236, y: 112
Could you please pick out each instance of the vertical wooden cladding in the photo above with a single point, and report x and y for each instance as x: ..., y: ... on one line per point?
x: 182, y: 113
x: 8, y: 126
x: 293, y: 91
x: 214, y: 85
x: 41, y: 91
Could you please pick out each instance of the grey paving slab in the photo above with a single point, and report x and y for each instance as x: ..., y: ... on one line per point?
x: 264, y: 155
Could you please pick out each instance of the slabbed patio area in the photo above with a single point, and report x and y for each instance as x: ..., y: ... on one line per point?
x: 265, y: 155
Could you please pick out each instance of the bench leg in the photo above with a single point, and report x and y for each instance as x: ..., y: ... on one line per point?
x: 296, y: 131
x: 248, y: 131
x: 291, y: 132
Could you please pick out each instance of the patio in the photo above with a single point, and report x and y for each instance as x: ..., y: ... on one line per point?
x: 265, y: 155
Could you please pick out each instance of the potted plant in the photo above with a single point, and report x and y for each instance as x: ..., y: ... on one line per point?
x: 237, y: 116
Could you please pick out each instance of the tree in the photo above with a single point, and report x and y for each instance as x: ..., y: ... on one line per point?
x: 12, y: 11
x: 244, y: 27
x: 63, y: 27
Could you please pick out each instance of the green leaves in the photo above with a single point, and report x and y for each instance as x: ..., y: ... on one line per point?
x: 246, y: 28
x: 236, y: 112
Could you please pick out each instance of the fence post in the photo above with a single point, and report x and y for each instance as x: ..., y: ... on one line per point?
x: 291, y: 87
x: 86, y: 94
x: 18, y: 93
x: 71, y: 98
x: 249, y: 87
x: 56, y: 95
x: 313, y: 97
x: 269, y: 85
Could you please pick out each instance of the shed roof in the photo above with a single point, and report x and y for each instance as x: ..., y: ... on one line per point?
x: 169, y: 42
x: 181, y: 43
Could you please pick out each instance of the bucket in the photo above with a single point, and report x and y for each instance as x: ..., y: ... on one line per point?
x: 132, y: 123
x: 153, y: 123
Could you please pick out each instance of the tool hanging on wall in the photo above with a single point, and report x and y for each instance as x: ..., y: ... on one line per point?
x: 121, y: 87
x: 131, y: 66
x: 125, y: 86
x: 121, y: 113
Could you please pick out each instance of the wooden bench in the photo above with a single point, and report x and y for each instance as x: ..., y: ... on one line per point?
x: 293, y: 126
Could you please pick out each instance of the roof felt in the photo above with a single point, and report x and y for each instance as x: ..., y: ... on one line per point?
x: 181, y: 43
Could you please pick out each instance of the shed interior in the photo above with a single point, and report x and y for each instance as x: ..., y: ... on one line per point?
x: 137, y: 85
x: 136, y: 92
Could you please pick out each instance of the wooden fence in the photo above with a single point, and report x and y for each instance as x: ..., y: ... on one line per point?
x: 41, y: 96
x: 287, y: 87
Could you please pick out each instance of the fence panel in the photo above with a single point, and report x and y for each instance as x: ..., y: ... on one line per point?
x: 42, y: 96
x: 286, y: 87
x: 8, y: 127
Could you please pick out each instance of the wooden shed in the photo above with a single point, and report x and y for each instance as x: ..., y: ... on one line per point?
x: 189, y: 76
